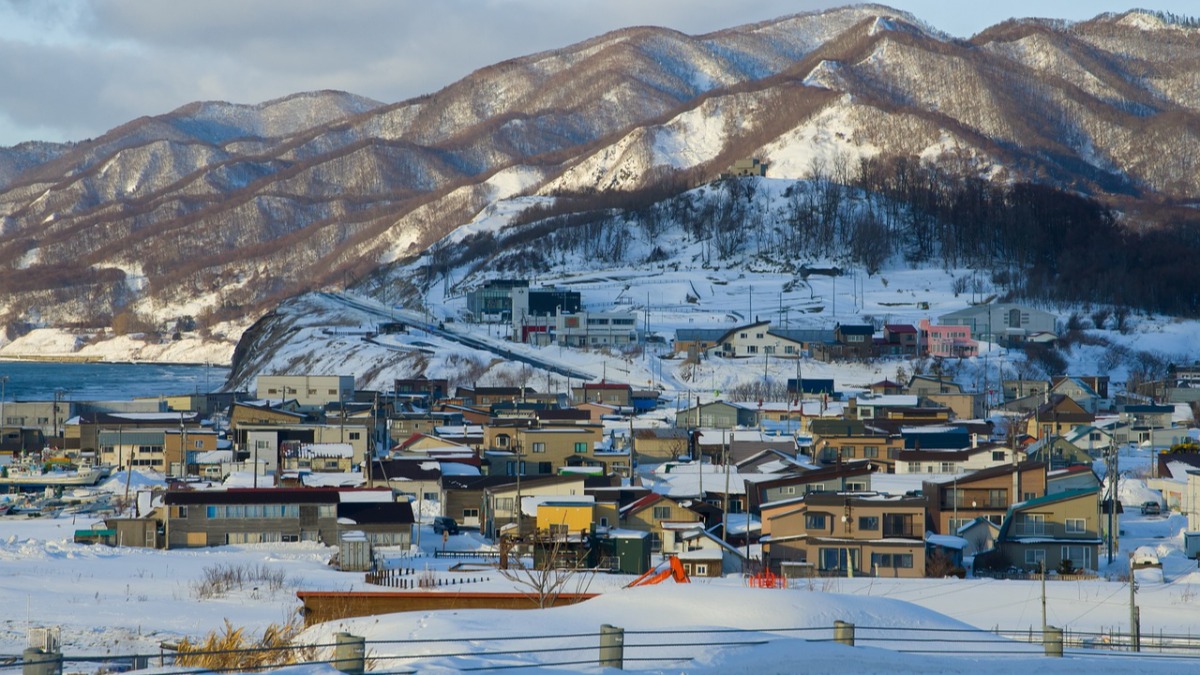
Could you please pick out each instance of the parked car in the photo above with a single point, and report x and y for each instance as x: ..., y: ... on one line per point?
x: 1151, y: 508
x: 445, y: 524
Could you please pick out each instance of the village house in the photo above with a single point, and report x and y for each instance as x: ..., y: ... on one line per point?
x: 846, y: 535
x: 837, y: 441
x: 846, y: 477
x: 756, y: 339
x: 717, y: 415
x: 501, y: 502
x: 252, y: 515
x: 898, y: 340
x: 960, y: 498
x: 141, y: 445
x: 1057, y: 416
x: 311, y: 392
x: 1005, y: 322
x: 609, y: 393
x: 850, y: 343
x: 1061, y: 531
x: 945, y: 341
x: 961, y: 460
x: 666, y: 520
x: 661, y: 444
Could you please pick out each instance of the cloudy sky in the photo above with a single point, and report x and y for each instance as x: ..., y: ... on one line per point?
x: 73, y: 69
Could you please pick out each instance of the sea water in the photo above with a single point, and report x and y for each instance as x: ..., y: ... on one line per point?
x: 43, y: 381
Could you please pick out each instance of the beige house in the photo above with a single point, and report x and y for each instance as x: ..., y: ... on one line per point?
x: 1065, y: 526
x: 666, y: 519
x: 959, y: 499
x: 545, y: 450
x: 311, y: 392
x: 847, y: 535
x: 501, y: 503
x: 660, y: 444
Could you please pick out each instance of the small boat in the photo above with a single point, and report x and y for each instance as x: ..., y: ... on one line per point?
x: 35, y: 472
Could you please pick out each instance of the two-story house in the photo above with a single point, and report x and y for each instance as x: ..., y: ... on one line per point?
x: 847, y: 534
x: 252, y: 515
x: 666, y: 519
x: 957, y: 499
x: 850, y: 342
x: 1064, y: 526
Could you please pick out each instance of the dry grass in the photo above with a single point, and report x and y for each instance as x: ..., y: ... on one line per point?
x: 234, y: 648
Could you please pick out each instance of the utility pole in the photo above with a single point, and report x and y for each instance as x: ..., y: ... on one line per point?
x: 1135, y: 619
x: 725, y: 506
x: 1111, y: 468
x: 1044, y: 624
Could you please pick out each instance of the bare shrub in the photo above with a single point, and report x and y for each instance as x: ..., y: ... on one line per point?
x: 220, y: 580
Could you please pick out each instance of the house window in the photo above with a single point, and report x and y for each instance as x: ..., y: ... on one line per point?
x: 1080, y: 556
x: 604, y: 521
x: 1035, y: 557
x: 947, y: 467
x: 998, y: 456
x: 751, y: 349
x: 847, y: 451
x: 856, y: 487
x: 538, y: 447
x: 354, y: 435
x: 662, y: 512
x: 1076, y: 525
x: 1031, y: 524
x: 791, y: 490
x: 868, y: 522
x: 998, y: 498
x: 814, y: 521
x: 701, y: 569
x: 914, y: 467
x: 504, y: 504
x: 581, y: 448
x: 839, y: 559
x: 870, y: 452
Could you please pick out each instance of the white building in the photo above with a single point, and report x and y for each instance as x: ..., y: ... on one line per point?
x: 596, y: 329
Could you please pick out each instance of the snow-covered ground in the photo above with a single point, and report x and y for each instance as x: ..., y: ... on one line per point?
x: 127, y: 600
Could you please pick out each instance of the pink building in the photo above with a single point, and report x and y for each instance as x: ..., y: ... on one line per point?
x: 946, y: 341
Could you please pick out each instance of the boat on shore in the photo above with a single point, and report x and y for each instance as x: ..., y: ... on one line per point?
x: 36, y: 472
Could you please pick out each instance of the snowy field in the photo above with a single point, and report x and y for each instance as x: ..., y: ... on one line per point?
x: 111, y: 601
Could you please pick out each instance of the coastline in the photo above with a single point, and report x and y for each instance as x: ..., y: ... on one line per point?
x: 74, y: 358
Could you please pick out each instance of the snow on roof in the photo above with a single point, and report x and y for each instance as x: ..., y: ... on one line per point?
x: 701, y: 554
x: 213, y: 457
x: 529, y: 505
x: 368, y: 495
x: 331, y: 479
x: 458, y: 469
x: 945, y: 540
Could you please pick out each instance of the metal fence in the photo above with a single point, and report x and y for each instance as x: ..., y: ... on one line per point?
x: 620, y: 648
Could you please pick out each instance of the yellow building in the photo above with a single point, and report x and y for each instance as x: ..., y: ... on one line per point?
x: 559, y: 517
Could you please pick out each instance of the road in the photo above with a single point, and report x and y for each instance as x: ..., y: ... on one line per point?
x: 417, y: 320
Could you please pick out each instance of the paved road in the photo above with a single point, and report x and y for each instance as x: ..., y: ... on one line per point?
x: 417, y: 320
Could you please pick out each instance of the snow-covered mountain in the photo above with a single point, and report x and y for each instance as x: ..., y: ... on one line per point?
x: 216, y: 213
